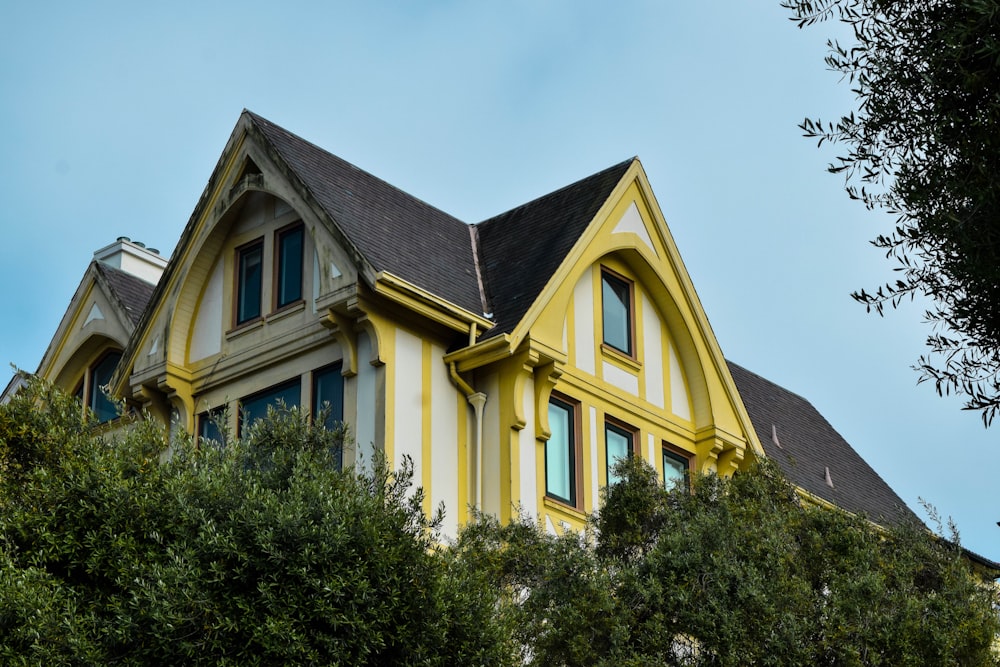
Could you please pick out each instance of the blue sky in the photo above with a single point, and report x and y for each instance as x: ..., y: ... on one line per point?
x: 113, y: 115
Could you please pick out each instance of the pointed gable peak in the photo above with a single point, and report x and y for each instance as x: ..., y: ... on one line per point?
x: 521, y: 249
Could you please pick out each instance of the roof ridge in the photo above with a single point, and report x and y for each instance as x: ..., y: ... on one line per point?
x: 257, y: 118
x: 557, y: 192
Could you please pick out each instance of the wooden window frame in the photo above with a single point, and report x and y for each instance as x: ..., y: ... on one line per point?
x: 334, y: 368
x: 615, y: 277
x: 622, y: 428
x: 273, y: 389
x: 87, y: 390
x: 238, y: 282
x: 668, y: 450
x: 575, y: 448
x: 279, y: 234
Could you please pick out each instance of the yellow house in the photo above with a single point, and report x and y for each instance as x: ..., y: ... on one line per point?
x: 513, y: 360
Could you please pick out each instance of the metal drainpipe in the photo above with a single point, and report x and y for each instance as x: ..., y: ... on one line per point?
x: 477, y: 400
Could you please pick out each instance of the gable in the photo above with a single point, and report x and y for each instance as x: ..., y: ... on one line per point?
x: 629, y: 238
x: 101, y: 316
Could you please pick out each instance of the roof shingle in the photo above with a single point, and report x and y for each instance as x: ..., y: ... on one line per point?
x: 394, y: 231
x: 811, y: 452
x: 521, y: 249
x: 133, y: 293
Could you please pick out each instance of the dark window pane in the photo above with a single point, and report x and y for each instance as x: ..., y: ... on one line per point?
x: 103, y: 408
x: 289, y: 267
x: 208, y: 427
x: 249, y: 277
x: 560, y: 453
x: 618, y: 445
x: 254, y: 407
x: 617, y: 313
x: 328, y: 396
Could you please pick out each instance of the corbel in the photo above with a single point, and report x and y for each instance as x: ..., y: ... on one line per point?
x: 546, y: 376
x: 341, y: 328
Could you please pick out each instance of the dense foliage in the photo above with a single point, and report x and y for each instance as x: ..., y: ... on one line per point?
x: 262, y: 553
x: 924, y: 145
x: 736, y: 573
x: 259, y: 553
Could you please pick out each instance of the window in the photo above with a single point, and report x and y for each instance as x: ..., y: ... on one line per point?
x: 619, y: 443
x: 288, y: 280
x: 209, y: 423
x: 675, y: 470
x: 254, y: 407
x: 560, y: 452
x: 249, y: 283
x: 616, y: 309
x: 91, y: 389
x: 328, y: 398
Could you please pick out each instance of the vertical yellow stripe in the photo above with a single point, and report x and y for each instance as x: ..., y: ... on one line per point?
x: 425, y: 424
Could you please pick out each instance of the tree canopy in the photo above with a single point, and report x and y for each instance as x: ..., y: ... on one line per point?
x: 923, y: 144
x: 737, y: 572
x: 257, y: 553
x: 136, y: 550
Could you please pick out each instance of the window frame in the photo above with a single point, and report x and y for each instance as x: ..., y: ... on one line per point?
x: 273, y: 390
x: 278, y: 275
x: 574, y: 451
x: 239, y: 284
x: 211, y: 417
x: 668, y: 451
x: 623, y: 429
x: 611, y: 278
x: 88, y: 391
x: 334, y: 418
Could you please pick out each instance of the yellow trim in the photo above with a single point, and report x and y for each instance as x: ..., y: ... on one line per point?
x: 65, y: 335
x: 481, y: 354
x: 462, y: 446
x: 427, y: 304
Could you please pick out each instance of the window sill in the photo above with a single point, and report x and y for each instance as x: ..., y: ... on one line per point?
x: 244, y: 328
x: 285, y: 311
x: 567, y: 511
x: 621, y: 359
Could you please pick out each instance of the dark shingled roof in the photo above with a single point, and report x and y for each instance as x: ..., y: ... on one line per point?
x: 809, y: 446
x: 520, y: 250
x: 132, y: 293
x: 392, y: 230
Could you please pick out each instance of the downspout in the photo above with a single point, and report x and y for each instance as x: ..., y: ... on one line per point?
x: 477, y: 400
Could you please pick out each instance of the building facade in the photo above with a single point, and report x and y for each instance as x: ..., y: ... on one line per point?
x: 513, y: 360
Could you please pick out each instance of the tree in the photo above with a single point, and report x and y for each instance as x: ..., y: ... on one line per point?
x: 737, y: 572
x: 256, y: 553
x: 923, y: 144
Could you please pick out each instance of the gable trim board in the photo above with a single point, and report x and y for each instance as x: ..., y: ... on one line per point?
x: 453, y: 337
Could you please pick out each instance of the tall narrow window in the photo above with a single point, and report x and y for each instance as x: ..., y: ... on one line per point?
x: 288, y: 287
x: 254, y: 407
x: 560, y: 452
x: 619, y: 443
x: 616, y: 308
x: 675, y: 470
x: 249, y: 280
x: 328, y: 401
x: 210, y: 427
x: 100, y: 375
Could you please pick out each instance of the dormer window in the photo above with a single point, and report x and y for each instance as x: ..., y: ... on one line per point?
x: 617, y: 312
x: 249, y: 281
x: 288, y: 280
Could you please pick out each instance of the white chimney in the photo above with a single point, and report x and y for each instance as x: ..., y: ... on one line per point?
x: 133, y: 257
